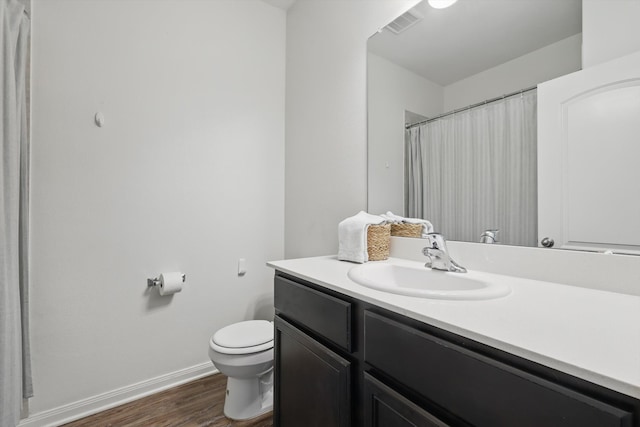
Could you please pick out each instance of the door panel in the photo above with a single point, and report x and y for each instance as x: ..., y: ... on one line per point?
x: 588, y: 146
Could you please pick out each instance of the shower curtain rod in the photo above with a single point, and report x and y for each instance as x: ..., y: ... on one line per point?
x: 488, y: 101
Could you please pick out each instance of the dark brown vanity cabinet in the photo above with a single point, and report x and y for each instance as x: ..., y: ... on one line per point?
x: 313, y: 369
x: 343, y: 362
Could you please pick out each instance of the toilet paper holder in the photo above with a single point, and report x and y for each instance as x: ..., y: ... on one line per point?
x: 156, y: 281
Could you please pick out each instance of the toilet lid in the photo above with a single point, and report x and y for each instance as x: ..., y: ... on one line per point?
x: 250, y: 333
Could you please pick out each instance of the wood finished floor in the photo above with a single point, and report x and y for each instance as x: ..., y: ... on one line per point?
x: 195, y: 404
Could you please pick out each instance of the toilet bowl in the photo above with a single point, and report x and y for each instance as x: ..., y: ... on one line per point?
x: 244, y: 353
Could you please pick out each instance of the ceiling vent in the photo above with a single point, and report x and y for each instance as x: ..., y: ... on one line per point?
x: 403, y: 22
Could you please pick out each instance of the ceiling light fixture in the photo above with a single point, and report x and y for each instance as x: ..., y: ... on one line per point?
x: 441, y: 4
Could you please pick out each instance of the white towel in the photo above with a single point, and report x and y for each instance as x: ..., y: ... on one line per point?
x: 427, y: 227
x: 352, y: 236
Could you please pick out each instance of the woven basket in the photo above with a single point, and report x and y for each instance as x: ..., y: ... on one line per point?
x: 406, y: 230
x: 378, y: 238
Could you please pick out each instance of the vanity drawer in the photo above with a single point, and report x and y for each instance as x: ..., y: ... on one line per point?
x: 467, y: 384
x: 322, y: 314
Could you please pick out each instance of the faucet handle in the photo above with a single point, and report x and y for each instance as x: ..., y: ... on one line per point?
x: 436, y: 241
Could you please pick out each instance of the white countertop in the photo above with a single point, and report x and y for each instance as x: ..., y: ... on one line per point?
x: 591, y: 334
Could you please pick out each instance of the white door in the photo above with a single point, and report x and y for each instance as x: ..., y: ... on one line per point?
x: 589, y: 158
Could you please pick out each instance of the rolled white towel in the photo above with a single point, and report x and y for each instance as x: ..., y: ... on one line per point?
x: 392, y: 218
x: 352, y: 236
x: 427, y: 227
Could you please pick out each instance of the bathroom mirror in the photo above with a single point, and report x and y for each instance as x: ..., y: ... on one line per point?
x: 429, y: 62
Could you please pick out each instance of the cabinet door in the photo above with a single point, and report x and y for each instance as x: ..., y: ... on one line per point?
x: 312, y: 383
x: 384, y: 407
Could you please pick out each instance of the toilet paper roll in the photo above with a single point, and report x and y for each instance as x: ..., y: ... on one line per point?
x: 170, y: 283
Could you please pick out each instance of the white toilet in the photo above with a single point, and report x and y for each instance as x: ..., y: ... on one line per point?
x: 244, y: 352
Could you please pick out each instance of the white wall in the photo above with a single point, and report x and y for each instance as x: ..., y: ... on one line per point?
x: 544, y: 64
x: 187, y: 174
x: 610, y: 29
x: 391, y: 91
x: 326, y: 145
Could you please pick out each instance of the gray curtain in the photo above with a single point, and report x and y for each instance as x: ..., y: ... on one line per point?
x: 414, y: 178
x: 15, y: 368
x: 477, y: 171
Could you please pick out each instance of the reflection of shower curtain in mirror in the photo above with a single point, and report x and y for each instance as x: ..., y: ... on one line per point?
x: 15, y: 371
x: 476, y: 170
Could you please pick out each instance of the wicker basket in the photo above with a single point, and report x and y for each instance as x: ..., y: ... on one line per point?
x: 406, y: 230
x: 378, y: 238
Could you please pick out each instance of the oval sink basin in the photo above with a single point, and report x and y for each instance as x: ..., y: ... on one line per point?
x: 423, y: 282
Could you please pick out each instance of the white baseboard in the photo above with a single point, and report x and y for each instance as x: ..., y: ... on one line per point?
x: 82, y: 408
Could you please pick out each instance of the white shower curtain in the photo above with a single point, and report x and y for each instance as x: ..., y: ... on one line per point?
x: 15, y: 375
x: 476, y: 170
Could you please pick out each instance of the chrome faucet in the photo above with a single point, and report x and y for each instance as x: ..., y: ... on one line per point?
x: 438, y: 255
x: 489, y: 236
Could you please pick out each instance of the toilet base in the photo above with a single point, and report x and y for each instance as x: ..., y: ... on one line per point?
x: 249, y: 398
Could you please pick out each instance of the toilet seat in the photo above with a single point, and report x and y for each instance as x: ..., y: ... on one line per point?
x: 246, y: 337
